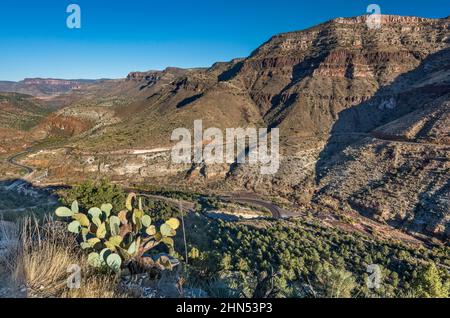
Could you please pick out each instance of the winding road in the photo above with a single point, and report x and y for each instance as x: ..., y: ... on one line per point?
x: 188, y: 206
x: 243, y: 198
x: 12, y: 161
x: 276, y: 211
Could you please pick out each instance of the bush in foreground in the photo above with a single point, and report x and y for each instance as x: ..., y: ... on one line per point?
x: 121, y: 239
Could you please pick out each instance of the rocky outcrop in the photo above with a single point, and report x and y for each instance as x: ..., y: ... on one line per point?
x: 144, y: 76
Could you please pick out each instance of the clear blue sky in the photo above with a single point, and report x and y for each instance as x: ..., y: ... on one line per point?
x: 122, y: 36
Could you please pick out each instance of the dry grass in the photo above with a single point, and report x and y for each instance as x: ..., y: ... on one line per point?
x: 41, y: 258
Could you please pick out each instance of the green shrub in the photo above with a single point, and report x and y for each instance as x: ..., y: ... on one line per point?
x: 95, y: 193
x: 430, y: 283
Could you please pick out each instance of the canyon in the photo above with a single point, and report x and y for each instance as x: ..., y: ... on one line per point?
x: 363, y: 116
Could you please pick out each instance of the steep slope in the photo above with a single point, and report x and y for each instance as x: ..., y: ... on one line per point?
x: 302, y: 81
x: 18, y: 111
x: 400, y: 175
x: 341, y: 81
x: 18, y: 115
x: 168, y: 100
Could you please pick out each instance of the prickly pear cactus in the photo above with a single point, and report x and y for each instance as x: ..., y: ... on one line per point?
x: 116, y: 239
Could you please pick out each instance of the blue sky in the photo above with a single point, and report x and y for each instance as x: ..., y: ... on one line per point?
x: 122, y: 36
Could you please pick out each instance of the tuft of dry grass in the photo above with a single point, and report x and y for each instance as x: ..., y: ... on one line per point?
x: 40, y: 263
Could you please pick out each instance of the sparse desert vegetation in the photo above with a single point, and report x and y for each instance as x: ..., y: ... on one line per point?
x: 265, y: 258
